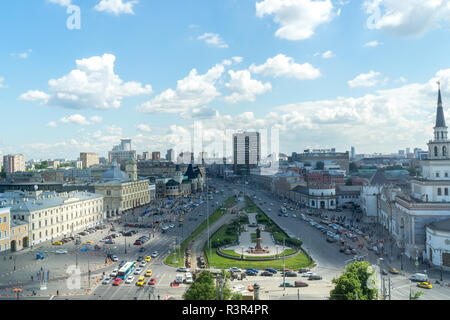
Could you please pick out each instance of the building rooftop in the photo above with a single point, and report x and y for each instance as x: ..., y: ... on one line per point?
x: 443, y: 225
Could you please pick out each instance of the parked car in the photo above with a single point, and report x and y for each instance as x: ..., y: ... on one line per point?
x: 300, y: 284
x: 114, y: 273
x: 315, y: 277
x: 271, y: 270
x: 286, y: 284
x: 291, y: 274
x: 251, y: 273
x: 234, y: 269
x: 267, y: 274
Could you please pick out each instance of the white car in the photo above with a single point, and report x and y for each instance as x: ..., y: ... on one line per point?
x: 183, y: 269
x: 172, y: 226
x: 155, y: 254
x: 307, y: 274
x: 294, y: 216
x: 143, y: 263
x: 235, y: 269
x: 129, y: 279
x: 138, y: 271
x: 61, y: 251
x: 107, y: 280
x: 114, y: 273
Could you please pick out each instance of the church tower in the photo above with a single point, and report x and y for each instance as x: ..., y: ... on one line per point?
x: 438, y: 148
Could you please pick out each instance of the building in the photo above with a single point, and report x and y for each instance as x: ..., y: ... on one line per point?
x: 4, y: 228
x: 50, y: 215
x: 14, y: 163
x: 327, y: 157
x: 180, y: 183
x: 170, y: 155
x: 156, y: 156
x: 145, y: 156
x: 88, y: 159
x: 18, y: 235
x: 370, y: 197
x: 246, y: 151
x: 438, y: 243
x: 352, y: 154
x: 122, y: 153
x: 122, y: 190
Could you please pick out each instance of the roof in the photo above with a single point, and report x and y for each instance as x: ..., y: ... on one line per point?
x: 172, y: 183
x: 114, y: 173
x: 440, y: 119
x: 378, y: 179
x: 443, y: 225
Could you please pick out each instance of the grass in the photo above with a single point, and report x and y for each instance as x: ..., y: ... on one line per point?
x: 280, y: 254
x: 301, y: 260
x: 179, y: 254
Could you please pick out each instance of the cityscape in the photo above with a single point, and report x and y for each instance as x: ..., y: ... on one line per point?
x: 224, y: 150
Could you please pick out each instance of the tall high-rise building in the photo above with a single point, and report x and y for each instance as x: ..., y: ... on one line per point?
x: 14, y: 163
x: 122, y: 153
x: 170, y: 155
x: 246, y: 151
x: 352, y: 154
x: 146, y: 155
x: 156, y: 156
x: 88, y: 159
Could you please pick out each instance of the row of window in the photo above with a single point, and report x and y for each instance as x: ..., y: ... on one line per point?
x: 5, y: 220
x: 41, y: 224
x: 445, y: 175
x: 439, y: 191
x: 77, y: 224
x: 77, y: 213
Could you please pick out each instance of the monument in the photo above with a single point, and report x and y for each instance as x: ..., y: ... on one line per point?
x: 259, y: 248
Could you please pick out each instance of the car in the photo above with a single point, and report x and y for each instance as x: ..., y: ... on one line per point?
x: 129, y: 280
x: 57, y: 243
x: 152, y: 282
x: 107, y: 280
x: 183, y: 269
x: 271, y: 270
x: 253, y: 269
x: 180, y: 220
x: 61, y: 251
x: 315, y: 277
x: 117, y: 281
x: 149, y: 273
x: 155, y: 254
x: 148, y: 259
x: 114, y: 258
x: 267, y: 274
x: 300, y: 284
x: 426, y: 285
x: 138, y: 271
x: 393, y: 271
x: 137, y: 243
x: 114, y: 273
x: 307, y: 274
x: 331, y: 239
x: 141, y: 281
x: 290, y: 274
x: 303, y: 270
x: 234, y: 269
x: 140, y: 258
x: 251, y: 273
x: 286, y: 284
x: 141, y: 249
x: 384, y: 272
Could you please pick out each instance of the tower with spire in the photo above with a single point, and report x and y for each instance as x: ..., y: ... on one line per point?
x: 438, y: 148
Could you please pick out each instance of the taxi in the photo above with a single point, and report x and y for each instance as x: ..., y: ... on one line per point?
x: 393, y: 271
x: 57, y: 243
x: 148, y: 259
x: 141, y: 281
x: 149, y: 273
x: 426, y: 285
x: 180, y: 220
x: 89, y: 242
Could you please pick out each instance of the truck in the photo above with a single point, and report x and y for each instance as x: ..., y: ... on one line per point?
x: 419, y: 277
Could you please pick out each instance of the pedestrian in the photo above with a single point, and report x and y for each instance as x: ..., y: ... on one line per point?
x: 31, y: 278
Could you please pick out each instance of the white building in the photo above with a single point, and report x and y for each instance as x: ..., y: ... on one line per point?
x: 438, y: 243
x: 50, y: 215
x: 370, y: 197
x: 14, y: 163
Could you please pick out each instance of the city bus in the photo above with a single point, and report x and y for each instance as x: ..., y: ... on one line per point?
x: 126, y: 270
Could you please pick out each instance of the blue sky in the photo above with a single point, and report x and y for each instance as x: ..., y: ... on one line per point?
x: 323, y: 72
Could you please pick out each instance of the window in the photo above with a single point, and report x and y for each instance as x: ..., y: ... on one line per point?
x: 439, y: 192
x: 446, y: 174
x: 437, y: 174
x: 5, y: 219
x: 444, y: 149
x: 435, y: 151
x: 446, y: 191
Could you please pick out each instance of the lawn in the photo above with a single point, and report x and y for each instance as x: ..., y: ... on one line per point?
x: 280, y: 254
x: 179, y: 254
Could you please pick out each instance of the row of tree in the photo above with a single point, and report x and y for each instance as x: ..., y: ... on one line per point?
x: 205, y: 288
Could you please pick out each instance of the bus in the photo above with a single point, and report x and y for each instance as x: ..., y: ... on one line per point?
x: 126, y: 270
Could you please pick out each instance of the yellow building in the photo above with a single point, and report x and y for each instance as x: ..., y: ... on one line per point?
x: 4, y: 229
x: 19, y: 235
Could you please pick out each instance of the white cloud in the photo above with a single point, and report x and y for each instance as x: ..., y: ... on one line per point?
x: 366, y: 80
x: 213, y: 39
x: 116, y: 6
x: 1, y: 82
x: 92, y: 85
x: 143, y: 127
x: 64, y: 3
x: 194, y: 91
x: 283, y: 66
x: 76, y: 119
x: 406, y: 18
x: 374, y: 43
x: 243, y: 87
x: 298, y: 19
x: 22, y: 55
x: 328, y: 54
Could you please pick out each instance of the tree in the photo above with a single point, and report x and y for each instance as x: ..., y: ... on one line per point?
x: 202, y: 289
x: 353, y: 167
x: 356, y: 283
x: 416, y: 295
x: 320, y: 165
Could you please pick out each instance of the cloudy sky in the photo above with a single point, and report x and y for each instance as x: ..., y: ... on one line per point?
x: 325, y: 73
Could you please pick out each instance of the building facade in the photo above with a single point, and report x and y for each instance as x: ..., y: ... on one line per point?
x: 246, y: 151
x: 14, y: 163
x: 88, y: 159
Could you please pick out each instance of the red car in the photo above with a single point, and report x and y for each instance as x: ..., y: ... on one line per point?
x: 152, y: 282
x: 138, y: 243
x: 300, y: 284
x: 117, y: 281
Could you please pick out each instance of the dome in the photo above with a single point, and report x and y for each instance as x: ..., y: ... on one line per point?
x: 114, y: 173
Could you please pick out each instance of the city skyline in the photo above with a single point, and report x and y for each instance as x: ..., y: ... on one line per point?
x: 83, y: 90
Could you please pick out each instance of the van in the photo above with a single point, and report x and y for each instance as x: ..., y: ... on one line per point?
x: 419, y: 277
x: 179, y: 279
x: 188, y: 278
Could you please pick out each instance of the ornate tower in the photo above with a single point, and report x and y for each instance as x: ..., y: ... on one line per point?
x: 131, y: 170
x: 438, y: 148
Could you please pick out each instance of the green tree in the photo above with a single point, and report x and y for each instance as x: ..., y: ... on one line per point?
x: 320, y: 165
x: 356, y: 283
x: 416, y: 295
x: 203, y: 288
x: 353, y: 167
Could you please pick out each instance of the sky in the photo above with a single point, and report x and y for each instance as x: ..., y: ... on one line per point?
x: 79, y: 75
